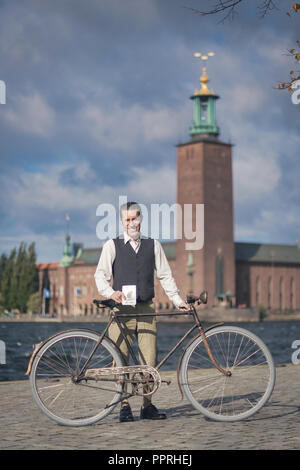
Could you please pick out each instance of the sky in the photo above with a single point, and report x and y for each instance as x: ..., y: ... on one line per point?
x: 98, y: 96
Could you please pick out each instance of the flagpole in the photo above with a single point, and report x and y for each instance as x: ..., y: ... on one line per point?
x: 75, y: 303
x: 43, y: 308
x: 67, y: 222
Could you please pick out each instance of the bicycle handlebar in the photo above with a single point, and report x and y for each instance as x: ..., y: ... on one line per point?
x: 191, y: 299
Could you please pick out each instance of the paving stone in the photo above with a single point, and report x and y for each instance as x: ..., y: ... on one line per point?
x: 275, y: 426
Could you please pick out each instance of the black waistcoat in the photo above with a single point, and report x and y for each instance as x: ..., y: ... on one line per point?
x: 131, y: 268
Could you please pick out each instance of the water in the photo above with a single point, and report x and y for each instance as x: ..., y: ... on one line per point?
x: 20, y: 337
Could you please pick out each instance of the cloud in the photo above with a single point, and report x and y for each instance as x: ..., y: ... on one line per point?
x: 156, y: 185
x: 31, y: 114
x: 132, y: 127
x: 47, y: 189
x: 53, y: 242
x: 256, y: 172
x: 275, y: 224
x: 38, y: 201
x: 98, y: 96
x: 247, y: 99
x: 253, y: 185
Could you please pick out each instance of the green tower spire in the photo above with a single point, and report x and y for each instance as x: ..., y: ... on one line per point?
x: 204, y: 121
x: 67, y: 258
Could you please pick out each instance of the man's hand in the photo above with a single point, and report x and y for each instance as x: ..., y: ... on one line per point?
x: 184, y: 306
x: 117, y: 296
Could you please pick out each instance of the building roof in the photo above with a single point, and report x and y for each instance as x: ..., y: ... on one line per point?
x: 91, y: 255
x: 251, y: 252
x: 267, y: 253
x: 244, y: 252
x: 53, y: 265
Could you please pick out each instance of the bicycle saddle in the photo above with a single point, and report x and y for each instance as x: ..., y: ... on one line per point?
x: 105, y: 303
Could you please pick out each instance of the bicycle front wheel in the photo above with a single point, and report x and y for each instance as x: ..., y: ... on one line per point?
x: 228, y: 398
x: 56, y: 365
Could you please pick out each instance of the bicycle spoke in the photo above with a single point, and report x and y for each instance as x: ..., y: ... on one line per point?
x: 228, y: 397
x: 67, y: 400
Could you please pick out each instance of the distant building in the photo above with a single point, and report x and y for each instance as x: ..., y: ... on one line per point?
x: 234, y: 273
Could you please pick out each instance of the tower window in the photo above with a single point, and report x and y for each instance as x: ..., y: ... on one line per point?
x: 204, y: 111
x: 269, y: 291
x: 281, y: 293
x: 291, y: 293
x: 257, y: 289
x: 219, y: 275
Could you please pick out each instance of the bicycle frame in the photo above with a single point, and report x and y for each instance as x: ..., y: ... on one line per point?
x: 215, y: 397
x: 114, y: 316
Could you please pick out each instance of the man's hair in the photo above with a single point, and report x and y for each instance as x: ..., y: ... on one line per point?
x: 130, y: 205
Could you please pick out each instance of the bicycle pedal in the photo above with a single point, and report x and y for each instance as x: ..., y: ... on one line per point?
x: 167, y: 381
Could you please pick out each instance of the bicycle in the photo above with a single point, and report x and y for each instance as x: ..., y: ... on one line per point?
x: 78, y: 376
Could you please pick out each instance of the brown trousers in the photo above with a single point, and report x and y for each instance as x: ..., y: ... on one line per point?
x: 142, y: 328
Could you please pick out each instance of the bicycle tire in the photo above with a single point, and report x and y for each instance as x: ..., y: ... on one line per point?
x: 228, y: 398
x: 57, y: 362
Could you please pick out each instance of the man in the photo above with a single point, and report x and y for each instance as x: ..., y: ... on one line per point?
x: 132, y: 260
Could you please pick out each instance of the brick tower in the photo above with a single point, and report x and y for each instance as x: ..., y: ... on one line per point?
x: 204, y: 176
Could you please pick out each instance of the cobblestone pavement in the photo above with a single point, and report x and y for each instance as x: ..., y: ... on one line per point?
x: 276, y: 426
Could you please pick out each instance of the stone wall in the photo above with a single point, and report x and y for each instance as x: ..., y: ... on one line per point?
x: 216, y: 314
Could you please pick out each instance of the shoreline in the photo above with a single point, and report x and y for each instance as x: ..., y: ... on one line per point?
x: 173, y: 319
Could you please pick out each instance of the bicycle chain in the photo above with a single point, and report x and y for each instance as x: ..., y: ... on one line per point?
x: 154, y: 376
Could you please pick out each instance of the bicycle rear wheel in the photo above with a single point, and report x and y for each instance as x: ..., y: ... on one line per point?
x: 234, y: 397
x: 53, y: 371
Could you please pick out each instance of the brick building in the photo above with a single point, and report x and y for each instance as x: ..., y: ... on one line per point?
x: 234, y: 273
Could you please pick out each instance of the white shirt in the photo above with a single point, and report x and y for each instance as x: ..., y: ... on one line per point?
x: 103, y: 272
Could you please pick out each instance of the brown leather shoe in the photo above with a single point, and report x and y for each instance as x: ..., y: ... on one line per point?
x: 151, y: 412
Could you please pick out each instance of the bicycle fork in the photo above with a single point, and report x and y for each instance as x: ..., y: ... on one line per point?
x: 226, y: 373
x: 217, y: 366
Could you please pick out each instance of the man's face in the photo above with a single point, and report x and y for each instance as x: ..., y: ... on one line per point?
x: 131, y: 221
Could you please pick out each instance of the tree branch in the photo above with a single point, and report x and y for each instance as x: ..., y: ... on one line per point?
x: 230, y: 5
